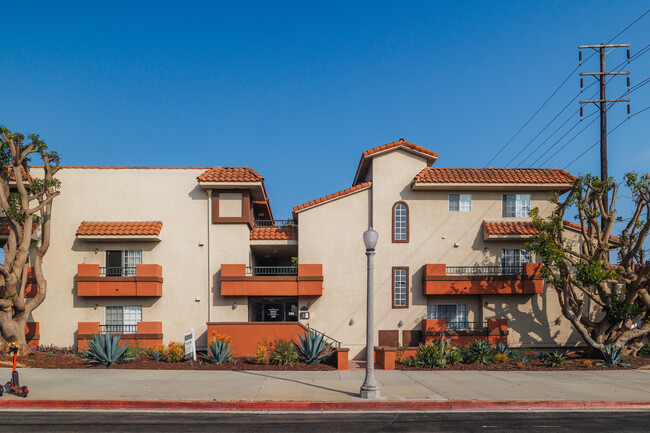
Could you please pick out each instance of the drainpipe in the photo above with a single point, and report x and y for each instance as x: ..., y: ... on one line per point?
x: 209, y: 298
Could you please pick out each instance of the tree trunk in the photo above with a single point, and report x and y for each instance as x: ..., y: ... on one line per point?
x: 13, y: 330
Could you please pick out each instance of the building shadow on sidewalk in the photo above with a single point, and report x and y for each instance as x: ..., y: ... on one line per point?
x: 351, y: 394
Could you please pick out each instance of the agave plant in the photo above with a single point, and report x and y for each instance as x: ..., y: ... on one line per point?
x: 503, y: 349
x: 612, y: 356
x: 219, y: 352
x: 555, y: 359
x: 105, y: 349
x: 480, y: 351
x: 312, y: 349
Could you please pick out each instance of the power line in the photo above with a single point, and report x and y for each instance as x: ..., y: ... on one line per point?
x: 598, y: 141
x: 558, y: 88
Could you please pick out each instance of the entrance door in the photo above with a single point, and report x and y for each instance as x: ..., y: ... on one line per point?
x: 273, y: 309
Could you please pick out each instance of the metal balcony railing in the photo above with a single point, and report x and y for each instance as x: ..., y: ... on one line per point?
x: 110, y: 271
x: 276, y: 223
x: 118, y: 329
x: 484, y: 270
x: 466, y: 326
x: 271, y: 270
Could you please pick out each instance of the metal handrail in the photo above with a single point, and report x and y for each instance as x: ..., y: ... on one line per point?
x: 327, y: 338
x: 112, y: 271
x: 276, y: 223
x: 485, y: 270
x: 118, y: 329
x: 271, y: 270
x: 466, y: 326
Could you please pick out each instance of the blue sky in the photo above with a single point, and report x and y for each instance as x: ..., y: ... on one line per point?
x: 298, y: 90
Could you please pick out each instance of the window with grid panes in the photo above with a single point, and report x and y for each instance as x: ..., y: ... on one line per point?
x: 460, y: 202
x: 513, y: 258
x: 123, y: 319
x: 400, y: 222
x: 515, y: 205
x: 400, y: 287
x: 454, y: 314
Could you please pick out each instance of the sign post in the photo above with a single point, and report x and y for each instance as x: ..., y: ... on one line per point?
x: 190, y: 345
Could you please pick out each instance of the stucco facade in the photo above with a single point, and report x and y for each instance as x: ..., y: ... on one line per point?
x: 219, y: 216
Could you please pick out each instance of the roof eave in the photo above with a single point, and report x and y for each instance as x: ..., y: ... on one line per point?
x: 485, y: 186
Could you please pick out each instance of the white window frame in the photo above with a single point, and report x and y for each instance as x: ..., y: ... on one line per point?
x: 123, y: 315
x: 460, y: 202
x: 400, y: 219
x: 130, y: 260
x: 514, y: 257
x: 442, y: 311
x: 400, y: 287
x: 515, y: 205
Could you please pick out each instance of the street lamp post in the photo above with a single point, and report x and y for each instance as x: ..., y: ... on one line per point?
x: 369, y: 388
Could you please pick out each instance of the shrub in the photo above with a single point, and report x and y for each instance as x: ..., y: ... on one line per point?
x: 466, y: 355
x: 501, y: 358
x: 157, y: 353
x: 175, y: 352
x: 284, y: 353
x: 219, y: 352
x: 432, y: 355
x: 645, y: 350
x: 454, y: 357
x: 52, y: 350
x: 312, y: 349
x: 218, y: 337
x: 263, y: 352
x: 106, y: 350
x: 612, y: 356
x: 503, y: 349
x: 480, y: 351
x: 514, y: 356
x: 555, y: 359
x: 588, y: 363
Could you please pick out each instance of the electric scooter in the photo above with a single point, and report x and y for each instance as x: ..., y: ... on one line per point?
x: 13, y: 386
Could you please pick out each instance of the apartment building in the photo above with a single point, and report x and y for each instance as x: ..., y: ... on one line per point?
x: 152, y: 252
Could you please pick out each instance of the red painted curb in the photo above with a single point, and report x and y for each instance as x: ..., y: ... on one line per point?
x: 326, y: 406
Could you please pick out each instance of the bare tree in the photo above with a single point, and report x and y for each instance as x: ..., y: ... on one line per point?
x: 581, y: 272
x: 26, y: 203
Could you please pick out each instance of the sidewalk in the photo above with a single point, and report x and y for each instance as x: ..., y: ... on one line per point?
x: 331, y: 386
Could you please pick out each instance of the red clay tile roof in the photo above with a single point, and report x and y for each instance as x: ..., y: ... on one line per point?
x: 119, y: 228
x: 521, y: 228
x: 119, y: 167
x: 401, y: 143
x: 230, y: 174
x: 274, y: 233
x: 4, y: 227
x: 493, y: 175
x: 332, y: 196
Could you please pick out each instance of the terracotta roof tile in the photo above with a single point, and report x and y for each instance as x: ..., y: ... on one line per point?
x: 119, y: 228
x: 578, y: 227
x: 4, y: 227
x: 520, y: 228
x: 493, y: 175
x: 230, y: 174
x: 274, y: 233
x: 332, y: 196
x: 398, y: 144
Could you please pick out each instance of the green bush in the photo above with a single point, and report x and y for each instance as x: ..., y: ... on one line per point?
x: 105, y: 349
x: 219, y: 352
x: 284, y: 353
x: 480, y: 351
x: 612, y: 356
x: 312, y: 349
x: 432, y: 355
x: 502, y: 348
x: 645, y: 350
x: 454, y: 357
x: 555, y: 359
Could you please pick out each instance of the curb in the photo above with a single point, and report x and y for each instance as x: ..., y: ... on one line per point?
x: 321, y: 406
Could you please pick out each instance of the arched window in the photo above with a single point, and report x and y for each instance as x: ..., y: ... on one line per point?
x: 400, y: 222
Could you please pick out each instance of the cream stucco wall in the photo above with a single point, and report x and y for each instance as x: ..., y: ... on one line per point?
x: 171, y: 196
x: 436, y: 236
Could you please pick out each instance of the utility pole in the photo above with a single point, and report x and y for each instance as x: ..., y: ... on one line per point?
x: 602, y: 104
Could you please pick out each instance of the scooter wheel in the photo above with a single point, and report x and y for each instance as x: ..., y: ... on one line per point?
x: 24, y: 391
x: 1, y: 390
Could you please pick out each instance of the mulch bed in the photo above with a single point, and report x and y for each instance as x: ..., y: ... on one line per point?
x: 575, y: 363
x: 42, y: 360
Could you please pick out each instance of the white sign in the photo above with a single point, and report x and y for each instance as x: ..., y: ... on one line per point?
x: 190, y: 345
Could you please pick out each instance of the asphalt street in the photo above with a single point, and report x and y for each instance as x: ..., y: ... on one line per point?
x: 129, y: 421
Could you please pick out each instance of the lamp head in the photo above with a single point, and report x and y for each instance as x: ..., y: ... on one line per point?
x: 370, y: 238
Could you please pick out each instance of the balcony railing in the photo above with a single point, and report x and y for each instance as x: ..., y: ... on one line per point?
x: 118, y: 329
x: 110, y: 271
x: 271, y: 270
x: 466, y: 326
x: 484, y: 270
x: 276, y: 223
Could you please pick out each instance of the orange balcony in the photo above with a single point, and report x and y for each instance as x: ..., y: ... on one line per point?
x: 146, y: 281
x: 438, y: 279
x: 239, y: 280
x: 145, y: 334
